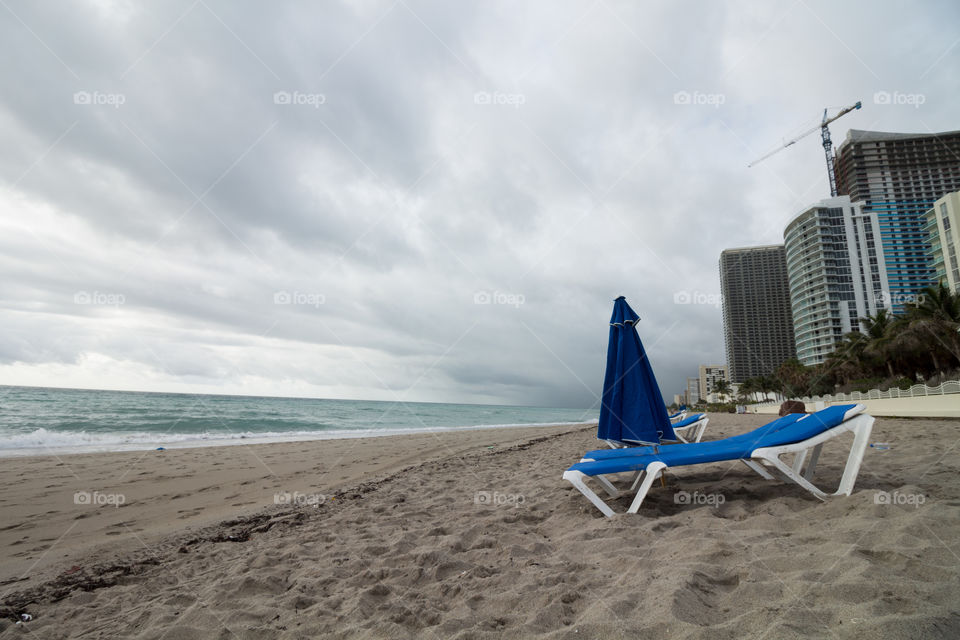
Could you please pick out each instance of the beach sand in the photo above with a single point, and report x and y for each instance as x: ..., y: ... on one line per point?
x: 475, y: 535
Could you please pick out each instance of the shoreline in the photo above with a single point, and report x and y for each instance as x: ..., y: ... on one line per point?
x: 231, y: 440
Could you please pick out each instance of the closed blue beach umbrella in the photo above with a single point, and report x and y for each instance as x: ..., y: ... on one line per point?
x: 633, y: 408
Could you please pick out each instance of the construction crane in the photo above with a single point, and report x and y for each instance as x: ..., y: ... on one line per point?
x: 827, y: 144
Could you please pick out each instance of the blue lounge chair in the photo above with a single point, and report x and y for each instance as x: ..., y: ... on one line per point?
x: 760, y: 450
x: 634, y: 452
x: 691, y: 428
x: 751, y: 436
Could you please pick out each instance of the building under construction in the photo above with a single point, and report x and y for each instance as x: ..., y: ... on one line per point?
x: 899, y: 176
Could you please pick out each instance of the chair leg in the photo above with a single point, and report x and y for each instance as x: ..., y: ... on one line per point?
x: 861, y: 427
x: 758, y: 468
x: 652, y: 471
x: 812, y: 465
x: 576, y: 479
x: 701, y: 429
x: 861, y: 431
x: 798, y: 460
x: 611, y: 490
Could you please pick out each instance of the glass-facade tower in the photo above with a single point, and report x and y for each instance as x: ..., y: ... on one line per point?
x: 898, y: 176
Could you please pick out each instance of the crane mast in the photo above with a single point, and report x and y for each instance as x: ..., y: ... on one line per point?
x: 828, y: 152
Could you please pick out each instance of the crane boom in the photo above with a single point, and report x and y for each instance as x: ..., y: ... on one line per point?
x: 827, y: 144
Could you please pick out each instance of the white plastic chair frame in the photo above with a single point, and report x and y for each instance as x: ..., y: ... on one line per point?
x: 761, y: 460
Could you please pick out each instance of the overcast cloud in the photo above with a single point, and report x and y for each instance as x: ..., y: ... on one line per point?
x: 414, y: 200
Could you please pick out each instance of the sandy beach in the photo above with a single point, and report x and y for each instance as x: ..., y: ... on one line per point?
x: 474, y: 535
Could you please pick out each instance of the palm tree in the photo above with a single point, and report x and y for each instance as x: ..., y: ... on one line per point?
x: 878, y: 330
x: 748, y: 388
x: 793, y: 377
x: 767, y: 383
x: 721, y: 388
x: 937, y: 314
x: 848, y: 360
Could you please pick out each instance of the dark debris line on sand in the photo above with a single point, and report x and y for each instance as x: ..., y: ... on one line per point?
x: 102, y: 575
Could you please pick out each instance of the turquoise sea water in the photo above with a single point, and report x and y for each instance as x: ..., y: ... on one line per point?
x: 35, y: 420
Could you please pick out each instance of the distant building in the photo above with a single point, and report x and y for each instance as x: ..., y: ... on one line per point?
x: 679, y: 399
x: 693, y: 391
x: 710, y: 375
x: 837, y: 274
x: 757, y: 321
x: 898, y: 176
x: 943, y: 225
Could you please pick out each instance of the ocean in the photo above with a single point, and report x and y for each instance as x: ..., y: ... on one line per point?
x: 44, y: 421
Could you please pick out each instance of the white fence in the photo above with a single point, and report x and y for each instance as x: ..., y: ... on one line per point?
x: 916, y: 391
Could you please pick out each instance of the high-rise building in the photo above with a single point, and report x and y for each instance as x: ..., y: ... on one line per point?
x: 837, y: 274
x: 693, y: 391
x: 943, y: 225
x: 710, y: 375
x: 757, y: 321
x: 898, y: 176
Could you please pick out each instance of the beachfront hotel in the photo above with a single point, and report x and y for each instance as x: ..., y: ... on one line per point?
x: 899, y: 176
x: 693, y: 391
x: 710, y: 375
x: 757, y: 319
x: 837, y: 274
x: 942, y: 225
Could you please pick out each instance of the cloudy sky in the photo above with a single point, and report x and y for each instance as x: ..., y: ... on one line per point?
x: 415, y: 200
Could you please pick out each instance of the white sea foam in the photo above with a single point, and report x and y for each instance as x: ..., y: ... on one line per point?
x: 44, y: 442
